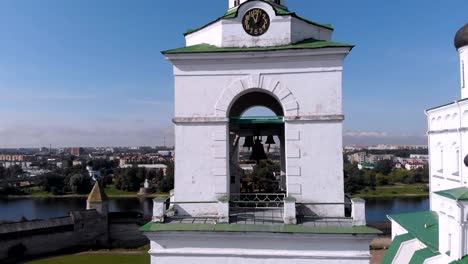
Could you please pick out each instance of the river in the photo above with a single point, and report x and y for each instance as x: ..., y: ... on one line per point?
x: 42, y: 208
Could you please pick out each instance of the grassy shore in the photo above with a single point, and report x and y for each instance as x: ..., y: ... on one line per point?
x: 98, y: 258
x: 400, y: 190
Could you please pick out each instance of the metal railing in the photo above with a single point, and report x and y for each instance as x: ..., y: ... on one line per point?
x: 257, y: 200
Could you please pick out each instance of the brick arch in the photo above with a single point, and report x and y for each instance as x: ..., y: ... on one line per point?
x: 257, y: 83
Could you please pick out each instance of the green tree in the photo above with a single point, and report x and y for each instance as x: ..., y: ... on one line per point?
x: 128, y: 180
x: 384, y: 166
x: 80, y: 184
x: 53, y: 183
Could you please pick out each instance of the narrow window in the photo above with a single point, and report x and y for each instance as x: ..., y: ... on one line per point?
x: 457, y: 159
x: 441, y: 160
x: 463, y: 73
x: 449, y: 244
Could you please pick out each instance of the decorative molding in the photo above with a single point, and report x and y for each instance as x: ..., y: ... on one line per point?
x: 256, y: 82
x: 443, y: 131
x: 291, y: 119
x: 182, y: 120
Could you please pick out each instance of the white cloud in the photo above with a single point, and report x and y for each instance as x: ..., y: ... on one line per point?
x: 382, y: 137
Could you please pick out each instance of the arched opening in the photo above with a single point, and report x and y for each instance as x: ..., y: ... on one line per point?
x: 257, y: 157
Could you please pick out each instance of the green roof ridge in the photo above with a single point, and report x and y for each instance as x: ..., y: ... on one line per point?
x: 305, y: 44
x: 457, y: 194
x: 421, y: 255
x: 161, y: 227
x: 422, y: 225
x: 279, y: 10
x: 395, y: 246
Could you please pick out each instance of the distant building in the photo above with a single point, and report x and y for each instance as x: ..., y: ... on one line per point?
x: 366, y: 165
x: 77, y: 163
x: 12, y: 157
x: 161, y: 167
x: 76, y: 151
x: 376, y: 158
x: 414, y: 165
x: 359, y: 157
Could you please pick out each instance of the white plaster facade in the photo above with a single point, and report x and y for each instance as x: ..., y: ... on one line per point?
x: 308, y: 86
x: 257, y: 248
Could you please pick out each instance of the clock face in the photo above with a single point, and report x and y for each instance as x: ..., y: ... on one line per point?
x: 256, y: 22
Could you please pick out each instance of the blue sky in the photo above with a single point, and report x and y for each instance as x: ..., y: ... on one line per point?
x: 87, y: 72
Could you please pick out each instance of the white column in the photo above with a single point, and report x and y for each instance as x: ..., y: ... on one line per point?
x: 223, y: 209
x: 289, y: 215
x: 159, y: 209
x: 358, y: 211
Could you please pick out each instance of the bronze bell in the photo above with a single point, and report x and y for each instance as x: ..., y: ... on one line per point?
x: 248, y: 142
x: 466, y: 161
x: 270, y: 140
x: 258, y: 152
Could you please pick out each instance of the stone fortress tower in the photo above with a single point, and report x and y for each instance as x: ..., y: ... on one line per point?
x: 441, y: 234
x: 259, y: 53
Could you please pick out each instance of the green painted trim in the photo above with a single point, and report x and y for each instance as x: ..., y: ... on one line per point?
x: 224, y: 198
x: 422, y: 255
x: 457, y: 194
x: 289, y: 199
x: 305, y: 44
x: 256, y: 120
x: 161, y: 199
x: 395, y: 246
x: 355, y: 230
x: 279, y: 11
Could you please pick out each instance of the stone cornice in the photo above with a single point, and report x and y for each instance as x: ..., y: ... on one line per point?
x: 453, y: 130
x: 287, y: 119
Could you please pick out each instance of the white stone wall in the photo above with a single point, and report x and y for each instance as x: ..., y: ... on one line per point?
x: 258, y: 248
x: 448, y: 127
x: 307, y: 84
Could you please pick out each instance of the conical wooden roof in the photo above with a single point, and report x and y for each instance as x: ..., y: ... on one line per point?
x: 97, y: 194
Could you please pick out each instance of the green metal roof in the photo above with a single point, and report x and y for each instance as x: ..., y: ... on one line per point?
x: 160, y: 227
x: 457, y: 194
x: 461, y: 261
x: 256, y: 120
x: 279, y: 10
x: 305, y: 44
x: 422, y: 255
x: 395, y: 246
x: 422, y: 225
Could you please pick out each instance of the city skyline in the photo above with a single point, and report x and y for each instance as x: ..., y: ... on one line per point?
x: 91, y: 74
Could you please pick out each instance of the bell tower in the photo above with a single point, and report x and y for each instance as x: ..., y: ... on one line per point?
x: 227, y: 178
x: 235, y: 3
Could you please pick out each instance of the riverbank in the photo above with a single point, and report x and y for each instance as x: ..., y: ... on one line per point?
x: 111, y: 191
x: 395, y: 191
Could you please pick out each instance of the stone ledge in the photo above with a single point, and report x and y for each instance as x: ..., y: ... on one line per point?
x: 293, y: 229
